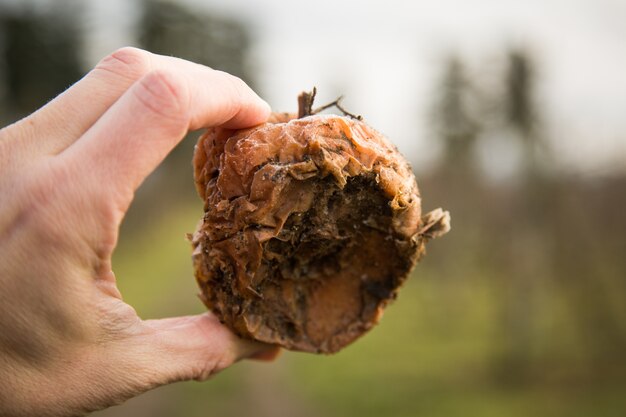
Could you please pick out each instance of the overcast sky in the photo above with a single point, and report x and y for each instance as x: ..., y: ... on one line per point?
x: 384, y: 56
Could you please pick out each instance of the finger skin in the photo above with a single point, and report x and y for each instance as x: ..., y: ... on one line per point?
x: 130, y: 140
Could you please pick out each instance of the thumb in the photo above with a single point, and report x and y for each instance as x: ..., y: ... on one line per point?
x: 196, y: 347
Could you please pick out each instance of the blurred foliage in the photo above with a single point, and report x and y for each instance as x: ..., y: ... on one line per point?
x: 170, y: 28
x: 520, y: 110
x: 520, y: 310
x: 453, y: 117
x: 40, y: 57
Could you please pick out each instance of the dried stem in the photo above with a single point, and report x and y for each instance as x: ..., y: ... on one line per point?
x: 346, y: 112
x: 305, y: 105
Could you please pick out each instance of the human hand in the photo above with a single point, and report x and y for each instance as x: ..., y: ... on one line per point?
x: 68, y: 172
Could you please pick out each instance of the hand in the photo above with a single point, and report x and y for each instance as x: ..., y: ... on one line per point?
x: 68, y: 343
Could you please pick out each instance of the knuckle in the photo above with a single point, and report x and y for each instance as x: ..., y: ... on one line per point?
x: 235, y: 94
x: 126, y: 62
x: 212, y: 367
x: 117, y: 318
x: 237, y: 82
x: 222, y: 363
x: 165, y: 94
x: 238, y: 87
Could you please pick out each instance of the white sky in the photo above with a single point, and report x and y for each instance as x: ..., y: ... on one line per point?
x: 384, y: 56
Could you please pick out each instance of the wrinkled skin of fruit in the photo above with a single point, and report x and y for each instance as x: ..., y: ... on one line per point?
x: 310, y: 227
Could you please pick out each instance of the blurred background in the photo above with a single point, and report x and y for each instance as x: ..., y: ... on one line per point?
x: 513, y: 114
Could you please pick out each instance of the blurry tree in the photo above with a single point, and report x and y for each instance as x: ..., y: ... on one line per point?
x: 456, y: 124
x: 519, y: 111
x: 453, y: 118
x: 40, y: 55
x: 171, y: 28
x: 528, y: 239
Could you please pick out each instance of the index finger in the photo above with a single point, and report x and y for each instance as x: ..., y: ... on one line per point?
x: 62, y: 121
x: 130, y: 140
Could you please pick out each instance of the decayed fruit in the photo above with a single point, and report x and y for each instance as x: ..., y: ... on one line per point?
x: 311, y: 224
